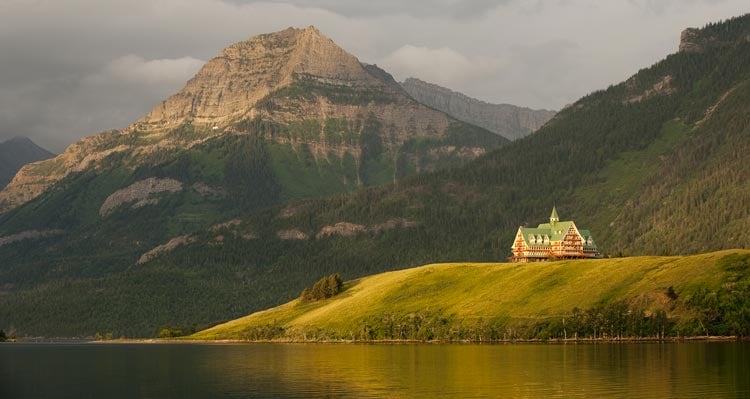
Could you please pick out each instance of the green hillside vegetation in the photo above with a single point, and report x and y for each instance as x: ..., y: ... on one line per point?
x: 648, y: 172
x: 655, y: 297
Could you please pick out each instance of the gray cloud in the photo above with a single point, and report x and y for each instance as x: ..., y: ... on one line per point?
x: 417, y: 8
x: 135, y: 69
x: 70, y: 68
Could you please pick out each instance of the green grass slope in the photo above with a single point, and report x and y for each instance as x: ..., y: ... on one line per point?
x: 501, y: 300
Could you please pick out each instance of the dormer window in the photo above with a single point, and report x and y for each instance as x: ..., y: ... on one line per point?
x: 532, y: 239
x: 590, y: 241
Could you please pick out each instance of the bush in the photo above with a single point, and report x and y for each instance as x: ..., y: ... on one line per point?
x: 170, y: 332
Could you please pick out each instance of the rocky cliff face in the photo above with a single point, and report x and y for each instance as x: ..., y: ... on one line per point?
x: 230, y: 85
x: 727, y: 33
x: 692, y: 41
x: 509, y: 121
x: 299, y: 92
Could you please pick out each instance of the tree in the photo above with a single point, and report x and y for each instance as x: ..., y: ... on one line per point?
x: 326, y: 287
x: 333, y: 284
x: 3, y: 338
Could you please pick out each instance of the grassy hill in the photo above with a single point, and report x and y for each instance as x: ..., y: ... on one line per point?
x: 501, y: 300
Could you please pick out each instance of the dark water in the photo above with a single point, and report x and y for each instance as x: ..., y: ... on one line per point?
x: 687, y: 370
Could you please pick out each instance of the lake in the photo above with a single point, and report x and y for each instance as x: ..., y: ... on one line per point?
x: 633, y: 370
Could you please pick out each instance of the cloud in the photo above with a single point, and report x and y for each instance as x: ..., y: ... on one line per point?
x: 417, y: 8
x: 135, y: 69
x: 439, y: 65
x: 71, y: 68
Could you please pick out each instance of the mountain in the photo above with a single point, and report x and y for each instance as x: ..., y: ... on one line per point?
x: 17, y: 152
x: 325, y: 123
x: 655, y: 165
x: 278, y: 117
x: 509, y: 121
x: 610, y: 298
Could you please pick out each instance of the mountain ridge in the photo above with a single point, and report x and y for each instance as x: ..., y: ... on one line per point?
x: 17, y: 152
x: 510, y: 121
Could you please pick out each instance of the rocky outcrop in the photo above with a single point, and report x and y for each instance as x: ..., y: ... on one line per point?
x: 346, y: 229
x: 343, y: 229
x: 234, y: 228
x: 28, y: 235
x: 464, y: 152
x: 710, y: 111
x: 287, y: 212
x: 226, y: 225
x: 207, y: 191
x: 693, y: 40
x: 509, y: 121
x: 664, y: 87
x: 165, y: 248
x: 292, y: 234
x: 690, y: 41
x: 139, y: 194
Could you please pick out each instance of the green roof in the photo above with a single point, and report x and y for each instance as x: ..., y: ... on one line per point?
x: 554, y: 231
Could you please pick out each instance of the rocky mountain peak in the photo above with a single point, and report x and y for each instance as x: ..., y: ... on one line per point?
x: 19, y: 140
x: 231, y: 84
x: 317, y: 55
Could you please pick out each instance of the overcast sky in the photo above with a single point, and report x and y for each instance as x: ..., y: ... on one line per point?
x: 73, y: 68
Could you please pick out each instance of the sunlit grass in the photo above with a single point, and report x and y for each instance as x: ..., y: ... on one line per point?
x: 491, y: 290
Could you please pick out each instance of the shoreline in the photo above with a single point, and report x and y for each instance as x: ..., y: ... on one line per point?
x: 157, y: 341
x: 490, y: 342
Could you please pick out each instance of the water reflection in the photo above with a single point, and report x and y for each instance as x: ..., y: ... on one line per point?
x: 690, y: 370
